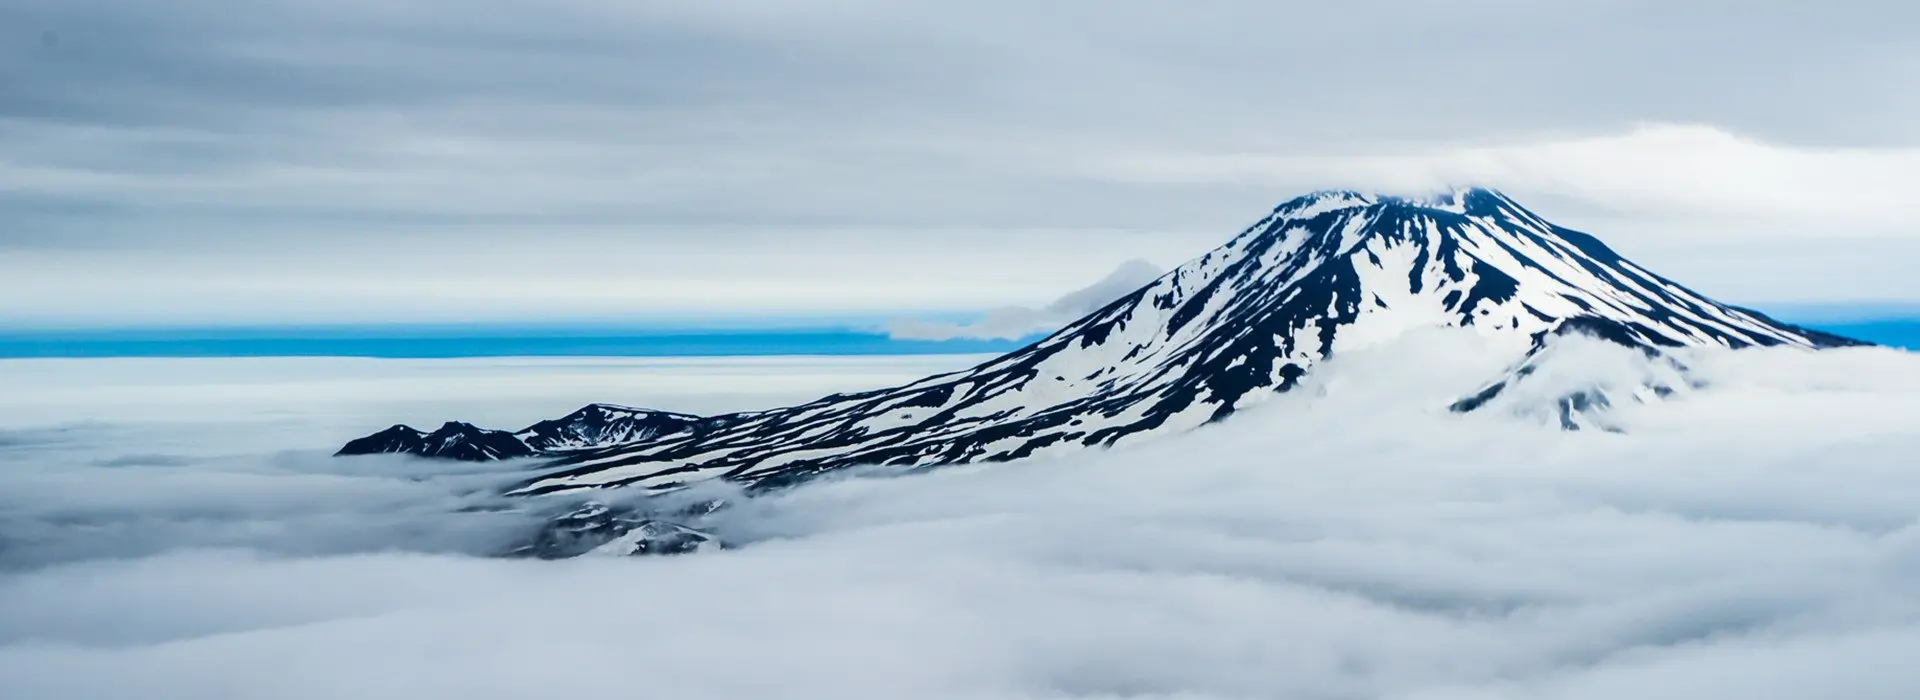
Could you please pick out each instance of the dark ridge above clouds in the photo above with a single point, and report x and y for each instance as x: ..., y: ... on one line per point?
x: 594, y: 425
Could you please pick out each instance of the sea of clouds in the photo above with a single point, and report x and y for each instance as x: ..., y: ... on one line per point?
x: 174, y: 529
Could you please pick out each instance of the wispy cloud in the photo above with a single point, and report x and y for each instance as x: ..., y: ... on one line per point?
x: 1015, y: 322
x: 1693, y: 171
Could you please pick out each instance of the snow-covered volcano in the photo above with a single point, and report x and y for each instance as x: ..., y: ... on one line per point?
x: 1322, y: 274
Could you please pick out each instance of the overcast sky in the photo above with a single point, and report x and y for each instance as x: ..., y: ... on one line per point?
x: 203, y: 161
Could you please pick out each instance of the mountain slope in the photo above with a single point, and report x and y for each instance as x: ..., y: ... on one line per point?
x: 603, y: 424
x: 454, y: 440
x: 1321, y: 274
x: 1577, y: 373
x: 595, y: 425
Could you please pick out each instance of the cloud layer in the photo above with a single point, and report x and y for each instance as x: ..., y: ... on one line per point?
x: 1347, y: 540
x: 127, y: 458
x: 300, y: 160
x: 1015, y: 322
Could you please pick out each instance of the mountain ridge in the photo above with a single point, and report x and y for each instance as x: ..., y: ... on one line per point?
x: 593, y: 425
x: 1322, y: 274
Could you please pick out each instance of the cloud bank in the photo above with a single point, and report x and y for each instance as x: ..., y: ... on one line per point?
x: 1351, y: 539
x: 1015, y: 322
x: 1692, y: 171
x: 137, y: 457
x: 293, y: 160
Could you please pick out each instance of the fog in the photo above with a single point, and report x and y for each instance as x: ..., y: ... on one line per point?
x: 1015, y: 322
x: 1756, y: 537
x: 132, y: 457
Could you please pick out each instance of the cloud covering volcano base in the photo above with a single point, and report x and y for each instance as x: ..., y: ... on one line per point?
x: 1758, y: 537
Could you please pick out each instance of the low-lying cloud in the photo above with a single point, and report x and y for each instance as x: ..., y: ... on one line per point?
x: 116, y: 459
x: 1015, y: 322
x: 57, y: 509
x: 1352, y: 539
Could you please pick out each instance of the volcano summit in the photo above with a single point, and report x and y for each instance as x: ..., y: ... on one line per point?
x: 1322, y: 274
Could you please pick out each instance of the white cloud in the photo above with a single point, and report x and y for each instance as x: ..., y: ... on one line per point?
x: 133, y: 457
x: 1750, y: 220
x: 1347, y: 540
x: 1014, y: 322
x: 1698, y: 172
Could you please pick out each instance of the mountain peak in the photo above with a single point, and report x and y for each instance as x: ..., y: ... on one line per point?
x: 1321, y: 201
x: 1454, y: 200
x: 1460, y: 200
x: 1333, y: 221
x: 1322, y: 274
x: 1325, y: 273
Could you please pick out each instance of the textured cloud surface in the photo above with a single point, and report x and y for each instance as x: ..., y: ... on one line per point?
x: 1757, y: 538
x: 295, y: 160
x: 136, y: 457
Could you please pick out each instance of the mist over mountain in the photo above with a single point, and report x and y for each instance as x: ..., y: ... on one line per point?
x: 1348, y: 538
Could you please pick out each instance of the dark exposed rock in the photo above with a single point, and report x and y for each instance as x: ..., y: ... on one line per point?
x: 458, y: 441
x: 596, y: 425
x: 1648, y: 372
x: 599, y: 528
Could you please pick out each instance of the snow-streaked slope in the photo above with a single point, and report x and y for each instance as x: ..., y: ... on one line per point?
x: 1325, y: 273
x: 1579, y: 372
x: 596, y: 425
x: 601, y: 424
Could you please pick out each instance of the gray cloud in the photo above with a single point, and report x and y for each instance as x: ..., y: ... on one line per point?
x: 134, y: 458
x: 132, y: 505
x: 1346, y: 540
x: 159, y: 134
